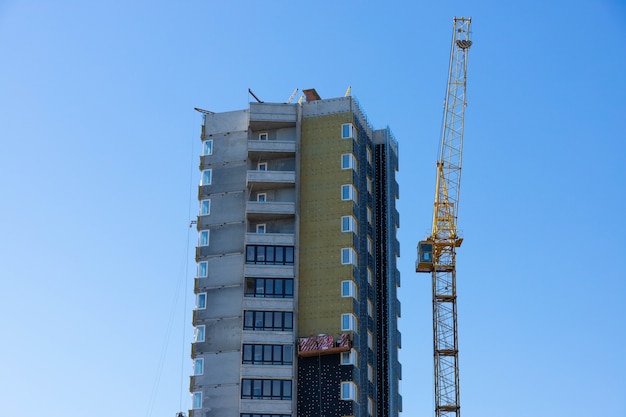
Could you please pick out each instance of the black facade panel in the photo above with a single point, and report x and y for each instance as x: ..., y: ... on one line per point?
x: 319, y: 380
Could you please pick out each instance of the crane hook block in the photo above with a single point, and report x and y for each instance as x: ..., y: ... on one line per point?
x: 424, y: 257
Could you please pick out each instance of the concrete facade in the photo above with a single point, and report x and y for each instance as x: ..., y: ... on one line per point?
x: 296, y: 282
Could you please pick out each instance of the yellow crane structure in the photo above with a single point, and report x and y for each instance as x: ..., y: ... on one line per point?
x: 437, y: 254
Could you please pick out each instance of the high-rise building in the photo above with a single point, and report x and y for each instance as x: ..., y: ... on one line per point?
x: 296, y: 288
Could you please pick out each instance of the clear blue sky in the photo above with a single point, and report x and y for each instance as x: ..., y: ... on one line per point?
x: 97, y: 174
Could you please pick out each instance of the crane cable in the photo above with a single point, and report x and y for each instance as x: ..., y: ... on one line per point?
x: 173, y: 309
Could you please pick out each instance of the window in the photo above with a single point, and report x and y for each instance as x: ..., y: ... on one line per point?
x: 370, y: 373
x: 370, y: 308
x: 348, y: 224
x: 370, y: 340
x: 203, y: 239
x: 206, y: 177
x: 269, y: 255
x: 370, y: 245
x: 347, y: 131
x: 370, y: 279
x: 348, y: 289
x: 348, y: 161
x: 207, y: 147
x: 263, y: 136
x: 349, y: 357
x: 198, y: 366
x: 196, y: 400
x: 348, y: 256
x: 348, y: 391
x: 202, y: 269
x: 369, y: 215
x: 261, y: 197
x: 201, y: 301
x: 264, y: 415
x: 260, y: 228
x: 199, y: 333
x: 348, y: 192
x: 262, y: 166
x: 205, y: 207
x: 267, y: 354
x: 369, y: 185
x: 266, y: 389
x: 348, y: 322
x: 370, y: 406
x: 369, y: 156
x: 269, y: 287
x: 267, y: 320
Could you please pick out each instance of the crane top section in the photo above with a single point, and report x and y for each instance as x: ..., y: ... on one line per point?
x: 451, y: 147
x: 447, y: 189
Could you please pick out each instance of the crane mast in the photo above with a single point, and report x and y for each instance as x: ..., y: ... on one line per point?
x: 437, y: 254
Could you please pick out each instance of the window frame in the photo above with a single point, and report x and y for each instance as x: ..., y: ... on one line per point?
x: 350, y: 194
x: 370, y: 339
x: 199, y: 269
x: 198, y: 363
x: 259, y: 320
x: 202, y: 242
x: 370, y: 372
x: 261, y: 166
x: 347, y: 391
x: 199, y: 333
x: 349, y: 357
x: 257, y: 287
x: 348, y: 289
x: 259, y: 354
x: 261, y: 228
x: 208, y: 142
x: 348, y: 161
x: 370, y: 308
x: 201, y: 305
x: 205, y: 203
x: 348, y: 322
x: 347, y: 131
x: 203, y: 179
x: 264, y: 135
x: 196, y: 400
x: 261, y: 197
x: 350, y: 222
x: 266, y: 389
x: 348, y: 256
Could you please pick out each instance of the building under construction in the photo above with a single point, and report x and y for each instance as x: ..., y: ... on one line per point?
x: 296, y: 284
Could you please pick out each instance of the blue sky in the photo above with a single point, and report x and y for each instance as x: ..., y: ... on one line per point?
x: 98, y: 170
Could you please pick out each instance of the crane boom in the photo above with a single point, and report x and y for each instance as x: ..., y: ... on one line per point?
x: 437, y: 254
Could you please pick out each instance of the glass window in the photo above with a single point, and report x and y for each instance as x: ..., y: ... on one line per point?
x: 205, y: 207
x: 199, y: 333
x: 369, y: 215
x: 268, y: 320
x: 206, y: 177
x: 348, y: 322
x: 370, y: 373
x: 263, y: 136
x: 204, y: 238
x: 261, y: 197
x: 348, y: 256
x: 202, y: 269
x: 370, y: 279
x: 201, y: 301
x: 197, y: 400
x: 370, y: 340
x: 198, y: 366
x: 207, y: 147
x: 370, y: 308
x: 260, y: 228
x: 346, y: 130
x: 348, y: 161
x: 262, y: 166
x: 349, y: 358
x: 348, y: 391
x: 348, y: 289
x: 348, y: 224
x: 348, y: 192
x: 369, y: 156
x: 266, y: 389
x: 369, y: 246
x: 370, y: 406
x: 369, y: 185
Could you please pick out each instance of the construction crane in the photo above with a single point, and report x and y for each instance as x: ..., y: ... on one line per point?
x: 437, y: 254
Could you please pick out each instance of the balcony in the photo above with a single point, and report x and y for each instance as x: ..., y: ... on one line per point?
x: 268, y: 149
x: 271, y: 178
x: 269, y: 210
x: 285, y: 239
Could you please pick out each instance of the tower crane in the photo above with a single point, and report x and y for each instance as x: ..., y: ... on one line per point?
x: 437, y: 254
